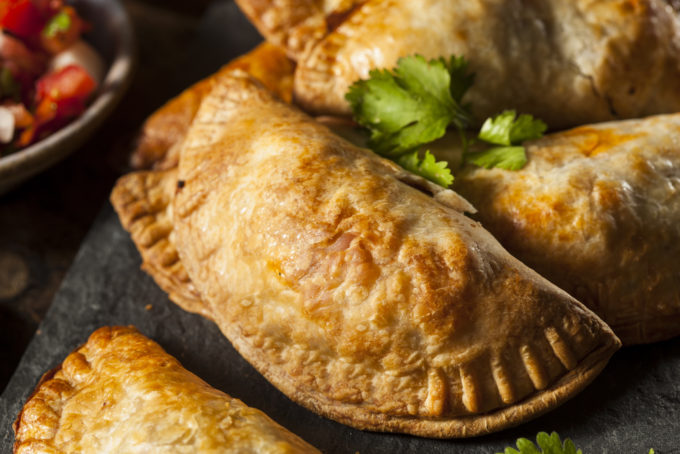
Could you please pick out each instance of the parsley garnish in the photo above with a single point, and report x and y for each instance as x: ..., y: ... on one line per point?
x: 547, y: 444
x: 414, y: 104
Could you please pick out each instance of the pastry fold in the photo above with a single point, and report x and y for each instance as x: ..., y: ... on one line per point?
x: 597, y: 211
x: 120, y: 392
x: 297, y: 25
x: 567, y: 62
x: 163, y: 132
x: 143, y: 201
x: 361, y: 291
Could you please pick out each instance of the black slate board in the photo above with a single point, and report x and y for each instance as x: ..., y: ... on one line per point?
x: 634, y: 405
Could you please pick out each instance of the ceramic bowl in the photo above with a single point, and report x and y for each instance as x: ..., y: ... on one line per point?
x: 112, y: 36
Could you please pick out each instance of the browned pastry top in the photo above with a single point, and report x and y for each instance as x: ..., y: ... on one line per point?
x: 568, y: 62
x: 164, y: 130
x: 597, y: 211
x: 120, y: 392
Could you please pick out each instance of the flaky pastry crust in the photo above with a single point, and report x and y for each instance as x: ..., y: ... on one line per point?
x: 120, y: 392
x: 360, y: 292
x: 164, y: 131
x: 568, y: 62
x: 297, y: 25
x: 143, y: 201
x: 596, y: 211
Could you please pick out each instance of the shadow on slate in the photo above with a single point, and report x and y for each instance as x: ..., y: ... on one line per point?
x: 634, y: 405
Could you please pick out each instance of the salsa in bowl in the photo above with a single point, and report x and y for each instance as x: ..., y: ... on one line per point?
x: 71, y: 63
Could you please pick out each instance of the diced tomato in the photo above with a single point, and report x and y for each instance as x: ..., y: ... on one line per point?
x: 56, y: 109
x: 21, y: 17
x: 60, y: 96
x: 69, y: 82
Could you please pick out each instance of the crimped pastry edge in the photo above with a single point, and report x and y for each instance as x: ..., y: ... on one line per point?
x: 570, y: 384
x: 47, y: 376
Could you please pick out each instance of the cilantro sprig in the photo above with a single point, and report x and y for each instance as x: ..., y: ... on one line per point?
x: 416, y: 102
x: 427, y: 167
x: 411, y: 106
x: 547, y: 444
x: 506, y: 132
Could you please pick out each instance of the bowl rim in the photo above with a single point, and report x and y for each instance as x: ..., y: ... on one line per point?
x: 18, y: 166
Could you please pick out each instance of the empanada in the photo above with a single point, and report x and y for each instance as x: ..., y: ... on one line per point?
x: 567, y: 62
x: 361, y: 291
x: 121, y: 392
x: 163, y: 132
x: 297, y: 25
x: 143, y: 201
x: 597, y: 211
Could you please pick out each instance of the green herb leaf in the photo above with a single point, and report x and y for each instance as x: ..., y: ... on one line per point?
x: 416, y: 102
x: 428, y: 168
x: 547, y: 444
x: 461, y: 79
x: 9, y: 87
x: 508, y: 158
x: 59, y: 23
x: 505, y: 129
x: 412, y: 105
x: 509, y: 131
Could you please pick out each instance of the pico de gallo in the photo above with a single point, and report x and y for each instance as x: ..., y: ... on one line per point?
x: 47, y: 72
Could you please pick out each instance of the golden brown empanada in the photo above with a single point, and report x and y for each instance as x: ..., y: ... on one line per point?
x: 568, y: 62
x: 297, y: 25
x: 121, y: 392
x: 361, y: 291
x: 163, y: 132
x: 143, y: 201
x: 597, y: 211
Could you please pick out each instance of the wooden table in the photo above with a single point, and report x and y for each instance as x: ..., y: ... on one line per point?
x: 43, y: 222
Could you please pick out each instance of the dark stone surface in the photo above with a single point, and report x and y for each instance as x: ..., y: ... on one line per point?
x: 633, y: 406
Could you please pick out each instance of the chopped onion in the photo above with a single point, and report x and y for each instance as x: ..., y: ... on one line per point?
x: 6, y: 125
x: 82, y: 54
